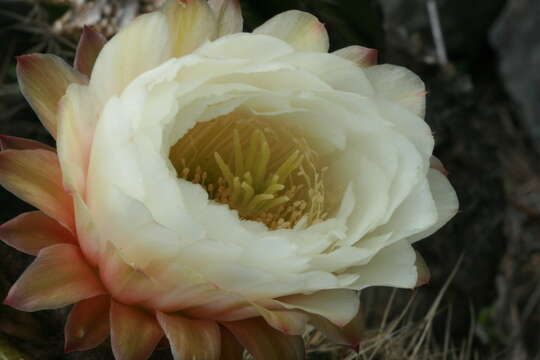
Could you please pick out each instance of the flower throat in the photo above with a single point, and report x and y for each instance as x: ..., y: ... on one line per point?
x: 265, y: 172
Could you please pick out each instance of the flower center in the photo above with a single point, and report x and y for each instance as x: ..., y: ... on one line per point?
x: 265, y: 171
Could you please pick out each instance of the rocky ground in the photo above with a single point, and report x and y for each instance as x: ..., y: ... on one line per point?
x: 481, y: 64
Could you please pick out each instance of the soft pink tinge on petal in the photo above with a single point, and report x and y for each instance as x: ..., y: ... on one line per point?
x: 43, y: 80
x: 360, y: 55
x: 300, y: 29
x: 264, y: 342
x: 88, y: 324
x: 134, y: 333
x: 437, y: 164
x: 58, y: 277
x: 350, y: 334
x: 191, y: 339
x: 17, y: 143
x: 87, y: 233
x: 35, y: 177
x: 424, y: 275
x: 32, y: 231
x: 228, y: 15
x: 288, y: 322
x: 90, y: 44
x: 125, y: 282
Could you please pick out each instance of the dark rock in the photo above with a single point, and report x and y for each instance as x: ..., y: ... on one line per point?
x: 516, y: 39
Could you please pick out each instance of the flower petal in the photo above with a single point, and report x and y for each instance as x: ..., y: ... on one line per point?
x: 87, y: 234
x: 228, y: 15
x: 400, y: 85
x: 230, y: 347
x: 264, y: 342
x: 423, y: 270
x: 90, y: 44
x: 339, y: 306
x: 78, y: 115
x: 191, y: 24
x: 43, y: 80
x: 139, y: 47
x: 360, y: 55
x: 446, y: 202
x: 58, y: 277
x: 134, y: 333
x: 17, y: 143
x: 191, y: 339
x: 288, y: 322
x: 35, y: 177
x: 32, y: 231
x: 88, y: 324
x: 300, y: 29
x: 126, y: 283
x: 350, y: 334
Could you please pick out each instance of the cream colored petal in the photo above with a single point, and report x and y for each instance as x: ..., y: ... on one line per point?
x: 139, y: 47
x: 191, y: 339
x: 134, y: 333
x: 32, y: 231
x: 446, y: 202
x: 360, y: 55
x: 78, y: 114
x: 392, y: 266
x: 399, y: 84
x: 264, y: 342
x: 350, y: 334
x: 339, y: 306
x: 43, y: 80
x: 228, y: 15
x: 90, y: 44
x: 300, y: 29
x: 423, y: 270
x: 88, y: 324
x: 58, y: 277
x: 35, y: 177
x: 191, y: 24
x: 87, y: 234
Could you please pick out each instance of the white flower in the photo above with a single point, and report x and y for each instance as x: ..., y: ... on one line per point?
x: 222, y: 175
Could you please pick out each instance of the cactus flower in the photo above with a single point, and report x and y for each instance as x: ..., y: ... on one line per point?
x: 219, y: 189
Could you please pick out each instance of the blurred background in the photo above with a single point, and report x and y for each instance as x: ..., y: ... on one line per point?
x: 480, y: 60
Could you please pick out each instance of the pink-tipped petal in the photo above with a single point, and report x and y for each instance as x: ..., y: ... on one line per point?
x: 191, y: 339
x: 35, y: 177
x: 300, y: 29
x: 88, y: 324
x: 350, y: 334
x: 32, y: 231
x: 228, y: 15
x: 43, y: 80
x: 360, y: 55
x: 288, y: 322
x: 126, y: 283
x: 424, y: 275
x: 191, y: 24
x: 437, y: 164
x: 264, y: 342
x: 230, y: 347
x: 134, y: 333
x: 58, y: 277
x: 17, y: 143
x: 90, y: 44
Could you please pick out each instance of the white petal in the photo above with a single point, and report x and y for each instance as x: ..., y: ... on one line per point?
x: 300, y: 29
x: 228, y: 15
x: 400, y: 85
x: 446, y: 201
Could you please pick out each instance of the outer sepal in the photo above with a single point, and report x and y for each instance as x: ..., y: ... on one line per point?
x: 228, y: 15
x: 17, y: 143
x: 87, y: 325
x: 90, y: 44
x: 58, y: 277
x: 43, y: 80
